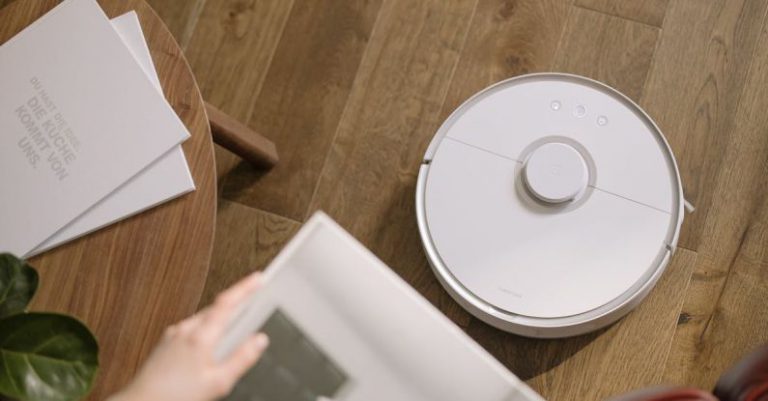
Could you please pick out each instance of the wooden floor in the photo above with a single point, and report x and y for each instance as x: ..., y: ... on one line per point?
x: 352, y: 91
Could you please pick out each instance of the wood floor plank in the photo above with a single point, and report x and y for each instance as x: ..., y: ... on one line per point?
x: 179, y: 16
x: 368, y: 181
x: 693, y: 91
x: 246, y: 241
x: 230, y: 52
x: 621, y: 358
x: 610, y: 49
x: 302, y: 100
x: 726, y: 309
x: 649, y: 12
x: 506, y: 39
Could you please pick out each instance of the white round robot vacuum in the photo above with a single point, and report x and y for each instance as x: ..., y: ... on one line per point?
x: 549, y: 205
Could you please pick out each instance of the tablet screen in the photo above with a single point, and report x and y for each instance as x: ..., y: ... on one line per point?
x: 293, y: 368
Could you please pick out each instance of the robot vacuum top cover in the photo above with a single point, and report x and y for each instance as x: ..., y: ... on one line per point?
x: 549, y: 204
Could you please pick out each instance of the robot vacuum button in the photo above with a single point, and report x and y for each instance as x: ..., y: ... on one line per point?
x: 555, y: 173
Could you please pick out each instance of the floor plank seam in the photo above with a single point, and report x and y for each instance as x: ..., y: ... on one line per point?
x: 723, y: 286
x: 456, y: 65
x: 686, y: 248
x: 621, y: 16
x: 263, y: 211
x: 562, y: 34
x: 355, y: 83
x: 189, y: 30
x: 680, y: 306
x: 254, y: 100
x: 252, y: 104
x: 752, y: 62
x: 651, y: 69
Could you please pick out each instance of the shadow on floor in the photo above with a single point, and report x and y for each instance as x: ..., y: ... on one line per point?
x: 528, y: 357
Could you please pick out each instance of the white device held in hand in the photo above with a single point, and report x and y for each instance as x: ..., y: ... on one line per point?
x: 344, y: 327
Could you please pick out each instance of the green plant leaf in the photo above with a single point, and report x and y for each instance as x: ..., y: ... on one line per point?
x: 46, y: 357
x: 18, y: 282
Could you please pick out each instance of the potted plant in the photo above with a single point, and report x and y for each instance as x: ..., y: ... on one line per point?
x: 43, y: 356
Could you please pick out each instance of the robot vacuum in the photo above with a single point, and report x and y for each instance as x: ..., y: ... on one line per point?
x: 549, y: 205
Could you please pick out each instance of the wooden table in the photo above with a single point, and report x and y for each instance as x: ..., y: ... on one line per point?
x: 129, y: 281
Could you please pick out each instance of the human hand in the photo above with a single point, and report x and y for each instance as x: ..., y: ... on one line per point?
x: 182, y: 366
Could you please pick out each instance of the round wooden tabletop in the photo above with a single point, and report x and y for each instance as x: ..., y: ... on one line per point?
x: 127, y: 282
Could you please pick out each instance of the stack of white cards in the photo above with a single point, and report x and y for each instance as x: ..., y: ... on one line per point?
x: 86, y: 135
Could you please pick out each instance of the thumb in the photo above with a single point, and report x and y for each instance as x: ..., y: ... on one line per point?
x: 245, y: 356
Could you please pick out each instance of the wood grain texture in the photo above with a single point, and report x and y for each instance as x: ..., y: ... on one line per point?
x: 246, y: 241
x: 726, y: 307
x: 610, y: 49
x: 649, y: 12
x: 129, y: 281
x: 302, y: 100
x: 621, y: 358
x: 179, y: 16
x: 507, y: 38
x: 694, y: 90
x: 230, y: 52
x: 391, y: 112
x: 390, y: 116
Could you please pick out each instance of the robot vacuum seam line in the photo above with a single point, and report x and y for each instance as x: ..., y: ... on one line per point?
x: 630, y: 199
x: 483, y: 149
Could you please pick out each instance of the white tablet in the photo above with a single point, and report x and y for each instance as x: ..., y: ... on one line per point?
x: 343, y: 326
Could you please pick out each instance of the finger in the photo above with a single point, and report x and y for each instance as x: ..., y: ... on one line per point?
x: 188, y: 325
x: 244, y: 357
x: 227, y: 303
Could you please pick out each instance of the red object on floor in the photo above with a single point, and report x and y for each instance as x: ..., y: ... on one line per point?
x: 747, y: 380
x: 667, y: 394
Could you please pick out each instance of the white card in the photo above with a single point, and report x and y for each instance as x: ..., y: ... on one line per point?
x: 78, y: 118
x: 165, y: 179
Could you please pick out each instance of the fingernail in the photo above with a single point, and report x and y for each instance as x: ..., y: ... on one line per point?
x: 262, y: 341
